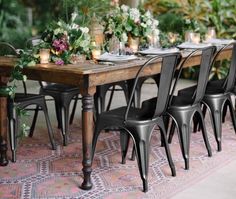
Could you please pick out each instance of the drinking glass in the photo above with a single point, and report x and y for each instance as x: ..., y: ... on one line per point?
x: 211, y: 33
x: 192, y: 37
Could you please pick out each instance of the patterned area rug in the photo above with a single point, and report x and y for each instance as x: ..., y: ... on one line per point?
x: 42, y: 173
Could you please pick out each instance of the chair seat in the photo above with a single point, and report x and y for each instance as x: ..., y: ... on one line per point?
x: 177, y: 101
x: 60, y: 88
x: 182, y: 101
x: 214, y: 87
x: 118, y: 114
x: 21, y: 97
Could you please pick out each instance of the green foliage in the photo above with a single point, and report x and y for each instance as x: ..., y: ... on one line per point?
x: 171, y: 22
x: 24, y: 128
x: 85, y: 9
x: 196, y: 15
x: 222, y: 17
x: 12, y: 23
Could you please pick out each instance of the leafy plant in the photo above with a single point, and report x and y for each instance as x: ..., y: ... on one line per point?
x: 197, y: 15
x: 124, y: 21
x: 13, y: 28
x: 65, y: 40
x: 85, y: 9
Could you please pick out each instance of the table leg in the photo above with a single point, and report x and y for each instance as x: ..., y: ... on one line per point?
x: 3, y: 131
x: 87, y: 128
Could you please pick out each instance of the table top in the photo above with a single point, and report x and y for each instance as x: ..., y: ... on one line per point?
x: 89, y: 74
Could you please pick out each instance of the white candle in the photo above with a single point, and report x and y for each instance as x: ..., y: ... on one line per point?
x: 153, y: 41
x: 44, y: 56
x: 196, y: 38
x: 211, y: 33
x: 96, y: 53
x: 192, y: 37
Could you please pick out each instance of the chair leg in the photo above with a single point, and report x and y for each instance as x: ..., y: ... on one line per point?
x: 13, y: 127
x: 215, y: 106
x: 73, y: 110
x: 124, y: 143
x: 232, y: 113
x: 204, y: 133
x: 12, y: 131
x: 34, y: 122
x: 64, y: 127
x: 50, y: 131
x: 133, y: 154
x: 142, y: 152
x: 196, y: 126
x: 182, y: 122
x: 195, y: 123
x: 172, y: 132
x: 58, y: 112
x: 167, y: 149
x: 224, y: 113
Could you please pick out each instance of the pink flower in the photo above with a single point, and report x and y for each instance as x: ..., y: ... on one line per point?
x: 60, y: 45
x: 59, y: 62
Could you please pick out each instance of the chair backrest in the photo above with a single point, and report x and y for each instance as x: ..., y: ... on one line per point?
x: 205, y: 66
x: 229, y: 81
x: 33, y: 41
x: 8, y: 49
x: 169, y: 63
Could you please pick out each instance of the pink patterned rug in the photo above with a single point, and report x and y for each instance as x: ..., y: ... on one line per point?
x: 42, y: 173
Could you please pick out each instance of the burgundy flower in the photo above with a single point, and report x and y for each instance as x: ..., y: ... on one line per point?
x: 60, y: 45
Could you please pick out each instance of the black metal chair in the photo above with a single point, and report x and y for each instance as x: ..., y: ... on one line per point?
x: 139, y: 123
x: 218, y: 96
x: 183, y: 108
x: 22, y: 101
x: 62, y: 95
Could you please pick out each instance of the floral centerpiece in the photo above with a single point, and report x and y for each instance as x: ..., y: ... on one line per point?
x: 125, y: 21
x: 67, y: 41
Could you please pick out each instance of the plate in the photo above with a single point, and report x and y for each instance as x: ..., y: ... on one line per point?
x: 219, y: 41
x: 159, y: 51
x: 193, y: 46
x: 116, y: 58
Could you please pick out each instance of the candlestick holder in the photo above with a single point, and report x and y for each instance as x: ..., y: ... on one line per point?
x: 44, y: 55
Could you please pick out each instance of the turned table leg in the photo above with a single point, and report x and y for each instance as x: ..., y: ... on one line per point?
x: 3, y: 131
x: 87, y: 134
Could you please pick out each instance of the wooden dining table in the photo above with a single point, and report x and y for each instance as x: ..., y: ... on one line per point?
x: 87, y: 76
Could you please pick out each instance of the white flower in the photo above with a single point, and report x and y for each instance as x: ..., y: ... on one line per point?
x: 59, y: 23
x: 148, y: 14
x: 124, y: 8
x: 84, y: 29
x: 156, y: 32
x: 149, y: 22
x: 187, y: 21
x: 124, y: 37
x: 155, y: 22
x: 58, y: 30
x: 135, y: 14
x: 73, y: 16
x: 143, y: 25
x: 74, y: 26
